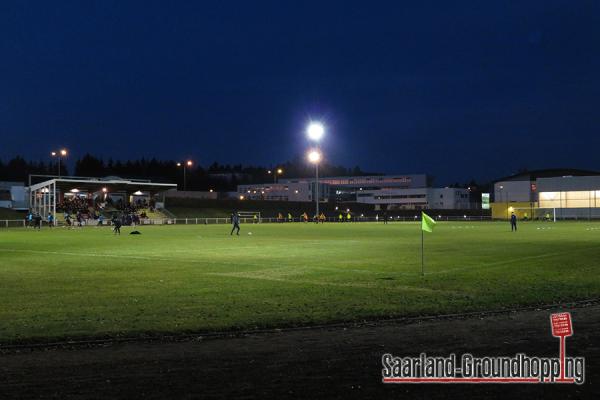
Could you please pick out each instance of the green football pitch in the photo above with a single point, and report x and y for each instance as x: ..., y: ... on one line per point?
x: 77, y: 283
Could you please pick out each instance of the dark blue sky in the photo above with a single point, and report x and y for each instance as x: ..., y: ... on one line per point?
x: 453, y: 89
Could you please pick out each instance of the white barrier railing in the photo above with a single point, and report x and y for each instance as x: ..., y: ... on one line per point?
x: 224, y: 220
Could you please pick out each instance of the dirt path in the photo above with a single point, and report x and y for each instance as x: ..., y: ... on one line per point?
x: 319, y: 363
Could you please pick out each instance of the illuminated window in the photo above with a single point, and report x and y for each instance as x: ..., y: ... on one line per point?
x: 571, y: 199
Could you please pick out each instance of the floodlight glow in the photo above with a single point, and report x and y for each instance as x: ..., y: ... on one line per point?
x: 241, y: 197
x: 314, y: 156
x: 63, y: 152
x: 179, y: 164
x: 104, y: 190
x: 279, y: 171
x: 189, y: 163
x: 315, y: 131
x: 74, y: 190
x: 138, y: 193
x: 53, y: 154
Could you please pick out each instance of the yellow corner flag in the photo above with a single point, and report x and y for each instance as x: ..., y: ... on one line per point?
x: 427, y: 223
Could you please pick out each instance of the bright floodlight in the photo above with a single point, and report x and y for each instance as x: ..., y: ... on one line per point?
x: 314, y: 156
x: 315, y: 131
x: 189, y: 163
x: 53, y: 154
x: 63, y: 152
x: 279, y: 171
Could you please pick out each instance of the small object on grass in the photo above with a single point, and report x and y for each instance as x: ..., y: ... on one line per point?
x: 135, y: 233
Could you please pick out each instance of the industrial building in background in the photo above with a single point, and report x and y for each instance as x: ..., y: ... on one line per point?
x: 548, y: 194
x: 385, y: 192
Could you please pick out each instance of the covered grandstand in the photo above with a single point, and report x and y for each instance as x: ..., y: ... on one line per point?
x: 74, y: 194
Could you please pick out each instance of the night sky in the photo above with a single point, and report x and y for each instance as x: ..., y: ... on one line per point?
x: 454, y: 89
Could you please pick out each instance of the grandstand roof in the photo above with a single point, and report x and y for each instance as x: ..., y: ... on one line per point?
x: 112, y: 183
x: 547, y: 173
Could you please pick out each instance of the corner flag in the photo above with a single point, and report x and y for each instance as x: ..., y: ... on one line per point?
x: 427, y: 223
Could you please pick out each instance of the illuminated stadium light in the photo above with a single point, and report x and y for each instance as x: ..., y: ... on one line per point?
x: 74, y: 190
x: 315, y: 131
x: 138, y: 193
x: 314, y: 156
x: 241, y: 197
x: 104, y: 190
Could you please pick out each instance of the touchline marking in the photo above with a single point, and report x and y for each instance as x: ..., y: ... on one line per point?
x: 403, y: 288
x: 499, y: 263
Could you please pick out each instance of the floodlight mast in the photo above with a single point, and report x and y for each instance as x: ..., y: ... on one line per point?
x: 188, y: 163
x: 315, y: 132
x: 59, y: 154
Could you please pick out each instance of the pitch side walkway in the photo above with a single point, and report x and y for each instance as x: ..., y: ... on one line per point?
x: 320, y: 363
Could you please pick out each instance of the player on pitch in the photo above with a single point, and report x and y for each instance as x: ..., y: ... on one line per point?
x: 235, y: 222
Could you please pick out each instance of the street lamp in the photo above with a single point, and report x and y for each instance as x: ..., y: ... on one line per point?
x: 188, y: 163
x: 278, y: 171
x: 314, y: 156
x: 60, y: 154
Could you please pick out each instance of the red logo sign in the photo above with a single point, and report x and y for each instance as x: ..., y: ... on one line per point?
x: 561, y: 324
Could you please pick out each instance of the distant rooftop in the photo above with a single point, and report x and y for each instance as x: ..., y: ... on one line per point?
x: 547, y: 173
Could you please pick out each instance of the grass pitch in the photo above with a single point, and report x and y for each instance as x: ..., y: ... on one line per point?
x: 86, y: 282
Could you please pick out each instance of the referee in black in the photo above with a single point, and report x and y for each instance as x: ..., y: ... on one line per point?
x: 513, y: 222
x: 235, y: 221
x: 116, y: 221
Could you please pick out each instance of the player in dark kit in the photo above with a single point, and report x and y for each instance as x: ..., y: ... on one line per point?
x: 116, y: 221
x: 513, y: 222
x: 235, y: 221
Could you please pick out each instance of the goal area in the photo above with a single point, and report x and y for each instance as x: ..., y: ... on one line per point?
x: 534, y: 213
x: 250, y: 216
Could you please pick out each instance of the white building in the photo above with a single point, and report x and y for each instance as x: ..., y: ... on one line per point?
x: 572, y: 193
x: 416, y: 199
x: 386, y: 191
x: 300, y: 191
x: 13, y: 195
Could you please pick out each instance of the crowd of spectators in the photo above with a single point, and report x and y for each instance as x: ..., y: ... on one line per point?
x: 80, y: 210
x: 74, y: 205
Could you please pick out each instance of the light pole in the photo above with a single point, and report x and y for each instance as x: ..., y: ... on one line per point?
x: 60, y: 154
x: 314, y: 156
x: 278, y: 171
x: 315, y: 132
x: 188, y: 163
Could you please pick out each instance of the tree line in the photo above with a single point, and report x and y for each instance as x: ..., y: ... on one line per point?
x: 218, y: 177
